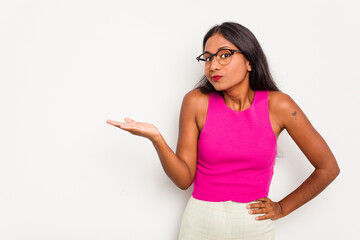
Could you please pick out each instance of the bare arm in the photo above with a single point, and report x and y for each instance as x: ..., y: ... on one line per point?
x: 315, y: 149
x: 175, y: 168
x: 179, y: 167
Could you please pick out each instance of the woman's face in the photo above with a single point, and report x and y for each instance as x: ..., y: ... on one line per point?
x: 234, y: 73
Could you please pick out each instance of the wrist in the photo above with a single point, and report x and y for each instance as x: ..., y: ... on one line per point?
x: 156, y: 138
x: 282, y: 212
x: 281, y: 209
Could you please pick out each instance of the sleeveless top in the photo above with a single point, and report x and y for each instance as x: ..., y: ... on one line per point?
x: 236, y: 152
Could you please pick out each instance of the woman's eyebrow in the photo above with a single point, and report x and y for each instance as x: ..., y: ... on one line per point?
x: 221, y: 48
x: 224, y: 47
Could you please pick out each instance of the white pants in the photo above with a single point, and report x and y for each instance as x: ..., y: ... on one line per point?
x: 225, y: 220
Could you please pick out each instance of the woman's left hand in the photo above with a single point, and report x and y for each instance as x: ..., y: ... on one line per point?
x: 272, y: 209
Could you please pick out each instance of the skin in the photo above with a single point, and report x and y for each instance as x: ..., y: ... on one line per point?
x: 284, y: 114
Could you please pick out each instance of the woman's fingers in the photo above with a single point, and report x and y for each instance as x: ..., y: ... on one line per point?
x: 118, y: 124
x: 113, y: 122
x: 255, y: 205
x: 272, y: 209
x: 143, y: 129
x: 262, y: 199
x: 110, y: 122
x: 129, y: 120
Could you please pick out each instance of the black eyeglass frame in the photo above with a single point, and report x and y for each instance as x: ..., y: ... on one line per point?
x: 215, y: 54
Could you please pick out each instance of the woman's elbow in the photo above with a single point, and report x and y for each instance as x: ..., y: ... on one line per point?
x: 334, y: 172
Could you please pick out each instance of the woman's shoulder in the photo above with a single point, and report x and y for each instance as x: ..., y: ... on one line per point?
x: 282, y: 106
x: 197, y: 97
x: 198, y: 102
x: 279, y: 100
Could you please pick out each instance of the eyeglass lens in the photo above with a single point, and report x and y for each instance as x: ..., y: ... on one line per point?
x: 223, y: 57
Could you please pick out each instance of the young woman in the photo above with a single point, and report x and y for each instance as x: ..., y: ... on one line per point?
x: 229, y: 126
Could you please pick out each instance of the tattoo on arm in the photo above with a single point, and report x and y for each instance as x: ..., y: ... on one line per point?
x: 294, y: 114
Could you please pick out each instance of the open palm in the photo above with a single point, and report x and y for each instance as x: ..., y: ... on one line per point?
x: 142, y: 129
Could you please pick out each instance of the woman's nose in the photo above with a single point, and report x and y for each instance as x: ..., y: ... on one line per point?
x: 214, y: 64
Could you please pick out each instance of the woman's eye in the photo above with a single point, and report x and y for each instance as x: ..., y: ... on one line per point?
x: 225, y: 55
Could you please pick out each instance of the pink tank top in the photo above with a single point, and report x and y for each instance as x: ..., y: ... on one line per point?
x: 236, y: 152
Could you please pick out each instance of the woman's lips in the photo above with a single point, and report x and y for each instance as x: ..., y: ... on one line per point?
x: 216, y: 78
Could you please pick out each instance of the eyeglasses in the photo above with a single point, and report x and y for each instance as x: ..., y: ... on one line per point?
x: 223, y: 56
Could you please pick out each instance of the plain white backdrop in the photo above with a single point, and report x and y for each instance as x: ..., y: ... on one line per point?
x: 68, y: 66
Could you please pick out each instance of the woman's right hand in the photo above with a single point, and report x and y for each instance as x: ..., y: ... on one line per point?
x: 142, y: 129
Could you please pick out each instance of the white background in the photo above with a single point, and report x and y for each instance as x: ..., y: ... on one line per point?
x: 68, y: 66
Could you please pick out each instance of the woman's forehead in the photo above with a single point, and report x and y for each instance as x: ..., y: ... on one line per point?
x: 217, y: 41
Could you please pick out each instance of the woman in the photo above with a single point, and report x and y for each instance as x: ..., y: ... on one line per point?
x: 228, y: 131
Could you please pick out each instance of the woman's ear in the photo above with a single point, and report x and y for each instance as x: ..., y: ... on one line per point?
x: 248, y: 65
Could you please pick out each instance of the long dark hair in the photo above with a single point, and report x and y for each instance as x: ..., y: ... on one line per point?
x: 259, y: 77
